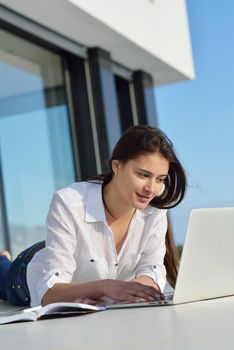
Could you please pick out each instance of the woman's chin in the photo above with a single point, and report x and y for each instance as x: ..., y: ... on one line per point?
x: 141, y: 204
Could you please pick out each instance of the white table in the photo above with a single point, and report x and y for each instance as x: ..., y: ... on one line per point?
x: 202, y: 325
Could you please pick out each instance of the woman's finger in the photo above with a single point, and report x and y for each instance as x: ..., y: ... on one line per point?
x: 85, y: 301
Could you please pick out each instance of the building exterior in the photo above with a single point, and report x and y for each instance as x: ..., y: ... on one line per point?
x: 74, y: 74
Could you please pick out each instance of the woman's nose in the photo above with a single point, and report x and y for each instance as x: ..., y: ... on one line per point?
x: 150, y: 187
x: 154, y: 188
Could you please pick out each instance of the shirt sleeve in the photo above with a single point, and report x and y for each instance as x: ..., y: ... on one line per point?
x: 151, y: 263
x: 56, y: 264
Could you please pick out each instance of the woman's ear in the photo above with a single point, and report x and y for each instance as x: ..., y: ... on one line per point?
x: 116, y: 164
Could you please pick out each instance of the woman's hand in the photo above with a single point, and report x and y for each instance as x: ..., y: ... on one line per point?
x: 120, y: 291
x: 147, y: 281
x: 107, y: 300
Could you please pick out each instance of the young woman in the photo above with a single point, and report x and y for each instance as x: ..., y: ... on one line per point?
x: 106, y: 237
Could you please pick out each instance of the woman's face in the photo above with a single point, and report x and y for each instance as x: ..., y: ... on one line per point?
x: 139, y: 180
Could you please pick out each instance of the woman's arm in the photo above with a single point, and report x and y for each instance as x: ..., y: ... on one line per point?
x: 114, y: 289
x: 71, y: 291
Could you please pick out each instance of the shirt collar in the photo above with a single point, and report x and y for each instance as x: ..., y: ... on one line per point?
x: 149, y: 210
x: 94, y: 210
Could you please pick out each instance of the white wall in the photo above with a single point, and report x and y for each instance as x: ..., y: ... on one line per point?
x: 160, y: 27
x: 140, y: 34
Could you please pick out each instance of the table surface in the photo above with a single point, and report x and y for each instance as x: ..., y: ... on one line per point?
x: 200, y: 325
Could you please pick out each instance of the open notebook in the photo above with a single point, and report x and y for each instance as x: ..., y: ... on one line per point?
x: 207, y: 262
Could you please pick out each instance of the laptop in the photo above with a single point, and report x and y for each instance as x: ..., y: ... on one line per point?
x: 207, y: 263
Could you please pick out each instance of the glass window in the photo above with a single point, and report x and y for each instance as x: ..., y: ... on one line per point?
x: 4, y: 241
x: 1, y: 232
x: 35, y: 139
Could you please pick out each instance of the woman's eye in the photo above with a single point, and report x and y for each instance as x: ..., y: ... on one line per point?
x: 143, y: 175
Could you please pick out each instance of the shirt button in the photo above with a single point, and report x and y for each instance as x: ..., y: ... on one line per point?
x: 116, y: 264
x: 56, y: 273
x: 154, y: 266
x: 91, y: 260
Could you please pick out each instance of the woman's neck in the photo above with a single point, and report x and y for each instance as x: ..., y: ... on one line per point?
x: 114, y: 205
x: 106, y: 207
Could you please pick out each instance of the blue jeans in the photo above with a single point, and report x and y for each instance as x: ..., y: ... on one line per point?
x: 13, y: 276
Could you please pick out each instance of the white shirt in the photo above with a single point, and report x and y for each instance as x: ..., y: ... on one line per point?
x: 80, y: 246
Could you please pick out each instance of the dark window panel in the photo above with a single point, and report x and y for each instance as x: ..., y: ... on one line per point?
x: 124, y: 103
x: 144, y: 98
x: 83, y: 126
x: 105, y: 103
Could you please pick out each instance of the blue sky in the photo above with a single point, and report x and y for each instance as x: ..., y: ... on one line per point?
x: 198, y: 116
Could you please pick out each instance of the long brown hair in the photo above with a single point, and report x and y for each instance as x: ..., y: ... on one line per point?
x: 141, y: 139
x: 171, y: 259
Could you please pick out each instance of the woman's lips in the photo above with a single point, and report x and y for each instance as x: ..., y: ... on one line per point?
x: 143, y: 198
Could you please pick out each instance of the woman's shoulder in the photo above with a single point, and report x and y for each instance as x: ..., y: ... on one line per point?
x: 76, y: 191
